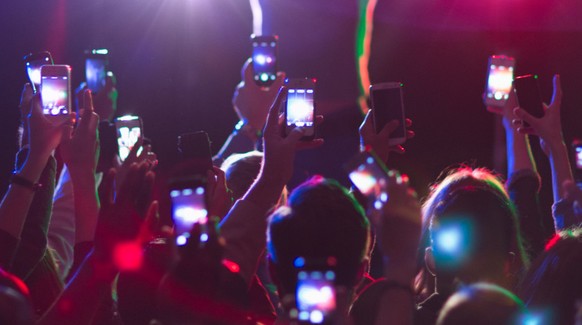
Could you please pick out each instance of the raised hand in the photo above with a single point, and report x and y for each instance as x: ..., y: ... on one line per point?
x: 252, y: 102
x: 379, y: 142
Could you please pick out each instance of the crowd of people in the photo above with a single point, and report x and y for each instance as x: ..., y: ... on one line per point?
x: 87, y: 247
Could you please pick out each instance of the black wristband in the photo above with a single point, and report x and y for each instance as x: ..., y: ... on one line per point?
x: 21, y: 181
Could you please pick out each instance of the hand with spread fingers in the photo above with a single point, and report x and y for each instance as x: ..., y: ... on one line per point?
x: 380, y: 142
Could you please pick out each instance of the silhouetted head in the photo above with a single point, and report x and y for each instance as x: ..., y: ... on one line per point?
x: 322, y: 221
x: 482, y: 304
x: 473, y: 230
x: 241, y: 171
x: 552, y: 288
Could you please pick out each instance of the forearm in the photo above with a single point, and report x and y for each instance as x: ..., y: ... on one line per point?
x: 79, y: 302
x: 519, y: 155
x: 16, y: 203
x: 561, y: 169
x: 86, y: 205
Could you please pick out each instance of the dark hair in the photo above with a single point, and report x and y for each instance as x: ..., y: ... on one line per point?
x: 554, y: 281
x: 322, y: 220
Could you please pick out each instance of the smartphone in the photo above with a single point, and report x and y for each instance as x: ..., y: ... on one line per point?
x: 264, y: 59
x: 315, y: 295
x: 188, y: 197
x: 195, y: 147
x: 55, y: 90
x: 528, y: 94
x: 300, y: 106
x: 387, y: 105
x: 96, y: 65
x: 577, y: 152
x: 129, y: 130
x: 33, y: 62
x: 370, y: 176
x: 499, y: 80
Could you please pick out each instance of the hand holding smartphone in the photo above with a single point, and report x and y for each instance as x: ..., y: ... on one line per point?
x: 129, y: 131
x: 55, y: 86
x: 300, y: 107
x: 499, y: 80
x: 264, y: 59
x: 388, y: 105
x: 370, y: 176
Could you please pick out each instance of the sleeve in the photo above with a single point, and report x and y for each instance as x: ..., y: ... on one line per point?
x: 523, y: 187
x: 244, y: 229
x: 61, y: 234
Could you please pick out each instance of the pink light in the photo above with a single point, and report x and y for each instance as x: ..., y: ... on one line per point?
x: 128, y: 256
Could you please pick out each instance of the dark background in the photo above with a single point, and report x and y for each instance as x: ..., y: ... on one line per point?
x: 177, y: 63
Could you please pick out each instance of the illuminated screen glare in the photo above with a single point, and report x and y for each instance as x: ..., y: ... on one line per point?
x: 95, y: 74
x: 579, y: 157
x: 369, y: 178
x: 315, y: 296
x: 127, y: 138
x: 188, y: 209
x: 500, y: 81
x: 33, y: 70
x: 264, y: 61
x: 54, y: 94
x: 300, y: 107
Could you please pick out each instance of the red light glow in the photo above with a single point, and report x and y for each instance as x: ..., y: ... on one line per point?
x: 128, y: 256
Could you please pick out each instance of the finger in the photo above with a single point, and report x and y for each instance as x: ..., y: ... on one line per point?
x: 408, y: 122
x: 319, y: 119
x: 397, y: 149
x: 368, y: 123
x: 272, y: 125
x: 35, y: 107
x: 278, y: 83
x: 295, y: 135
x: 106, y: 190
x: 389, y: 128
x: 87, y: 103
x: 146, y: 185
x: 79, y: 93
x: 557, y: 93
x: 220, y: 178
x: 247, y: 73
x: 303, y: 145
x: 148, y: 228
x: 525, y: 116
x: 110, y: 81
x: 211, y: 182
x: 410, y: 134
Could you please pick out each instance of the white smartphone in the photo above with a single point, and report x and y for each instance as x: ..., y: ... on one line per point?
x: 300, y: 106
x: 264, y: 59
x: 388, y: 105
x: 55, y: 88
x: 370, y: 176
x: 315, y: 296
x: 499, y: 80
x: 96, y: 65
x: 129, y: 130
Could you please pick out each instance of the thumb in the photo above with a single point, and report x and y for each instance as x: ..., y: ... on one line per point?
x: 525, y: 116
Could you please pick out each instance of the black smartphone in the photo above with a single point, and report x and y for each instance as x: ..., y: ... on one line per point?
x: 33, y: 62
x: 196, y: 146
x: 528, y: 94
x: 55, y: 90
x: 300, y: 106
x: 387, y: 105
x: 499, y: 80
x: 370, y: 176
x: 129, y: 131
x: 264, y: 59
x: 188, y: 197
x: 96, y: 67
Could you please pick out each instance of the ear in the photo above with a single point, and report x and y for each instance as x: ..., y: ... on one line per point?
x: 429, y: 261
